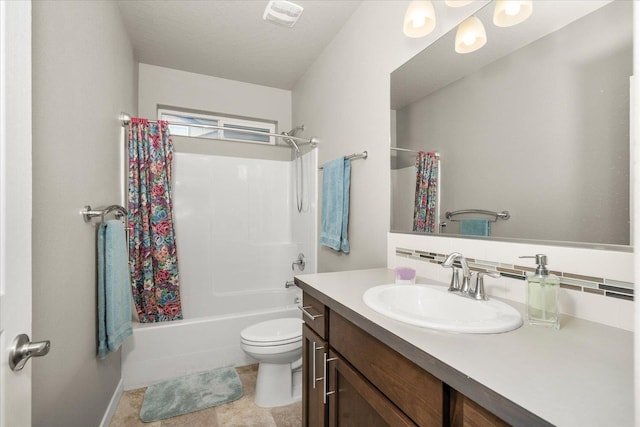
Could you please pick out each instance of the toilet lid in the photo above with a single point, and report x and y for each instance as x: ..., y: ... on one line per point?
x: 276, y: 331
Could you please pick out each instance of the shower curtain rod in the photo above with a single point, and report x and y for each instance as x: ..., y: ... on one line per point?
x: 406, y: 150
x: 125, y: 119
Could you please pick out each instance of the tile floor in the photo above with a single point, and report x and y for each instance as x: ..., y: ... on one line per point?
x: 241, y: 413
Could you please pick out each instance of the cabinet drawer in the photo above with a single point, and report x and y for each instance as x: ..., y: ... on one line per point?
x: 415, y: 391
x: 314, y: 314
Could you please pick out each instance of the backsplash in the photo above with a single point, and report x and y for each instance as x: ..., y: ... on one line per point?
x: 576, y: 282
x: 597, y: 284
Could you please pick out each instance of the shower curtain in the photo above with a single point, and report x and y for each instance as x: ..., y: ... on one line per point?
x: 424, y: 212
x: 153, y: 259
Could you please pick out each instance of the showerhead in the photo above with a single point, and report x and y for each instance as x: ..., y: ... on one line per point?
x: 292, y: 142
x: 293, y: 132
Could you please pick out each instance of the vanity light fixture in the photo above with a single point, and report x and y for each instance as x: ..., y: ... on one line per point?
x: 282, y: 12
x: 511, y: 12
x: 457, y: 3
x: 419, y: 19
x: 470, y: 36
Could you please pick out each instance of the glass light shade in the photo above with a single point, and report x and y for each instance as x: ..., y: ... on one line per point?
x: 457, y: 3
x: 470, y: 36
x: 419, y: 19
x: 511, y: 12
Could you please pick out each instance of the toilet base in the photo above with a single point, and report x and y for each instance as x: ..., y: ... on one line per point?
x: 277, y: 385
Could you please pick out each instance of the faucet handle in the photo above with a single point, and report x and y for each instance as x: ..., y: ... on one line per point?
x: 478, y: 293
x: 454, y: 286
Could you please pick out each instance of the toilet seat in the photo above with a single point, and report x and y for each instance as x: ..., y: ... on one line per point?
x: 273, y: 332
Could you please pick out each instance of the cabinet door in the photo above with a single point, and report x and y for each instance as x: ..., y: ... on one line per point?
x: 467, y: 413
x: 354, y: 402
x: 313, y: 355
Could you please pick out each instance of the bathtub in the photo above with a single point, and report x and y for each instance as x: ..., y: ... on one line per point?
x: 160, y: 351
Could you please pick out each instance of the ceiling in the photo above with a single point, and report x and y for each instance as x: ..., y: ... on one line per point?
x: 229, y: 39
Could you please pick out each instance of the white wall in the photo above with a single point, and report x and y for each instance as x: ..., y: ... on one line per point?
x: 84, y: 75
x: 174, y: 88
x: 343, y: 99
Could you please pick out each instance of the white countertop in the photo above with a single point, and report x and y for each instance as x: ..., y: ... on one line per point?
x: 581, y: 375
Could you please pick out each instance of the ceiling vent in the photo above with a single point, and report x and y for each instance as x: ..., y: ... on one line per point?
x: 282, y: 12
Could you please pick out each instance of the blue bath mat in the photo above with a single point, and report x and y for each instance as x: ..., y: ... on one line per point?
x: 189, y: 394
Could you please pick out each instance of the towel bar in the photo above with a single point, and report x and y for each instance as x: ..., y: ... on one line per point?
x: 496, y: 215
x: 353, y: 156
x: 88, y: 214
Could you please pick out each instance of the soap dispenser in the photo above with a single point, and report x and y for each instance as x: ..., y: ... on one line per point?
x: 542, y: 295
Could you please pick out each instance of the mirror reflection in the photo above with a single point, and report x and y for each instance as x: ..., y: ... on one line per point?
x: 534, y: 124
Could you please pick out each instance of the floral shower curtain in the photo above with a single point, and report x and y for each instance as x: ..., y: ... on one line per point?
x: 424, y: 212
x: 153, y: 258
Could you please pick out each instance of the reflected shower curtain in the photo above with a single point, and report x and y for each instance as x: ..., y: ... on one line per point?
x: 424, y: 212
x: 153, y: 259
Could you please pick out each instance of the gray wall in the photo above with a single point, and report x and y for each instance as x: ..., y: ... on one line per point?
x: 542, y: 133
x: 343, y: 99
x: 161, y: 86
x: 84, y: 75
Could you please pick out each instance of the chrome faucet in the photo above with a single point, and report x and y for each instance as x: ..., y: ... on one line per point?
x: 466, y: 272
x: 465, y: 289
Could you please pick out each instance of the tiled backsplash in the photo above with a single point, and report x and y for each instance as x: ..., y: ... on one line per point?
x: 576, y: 282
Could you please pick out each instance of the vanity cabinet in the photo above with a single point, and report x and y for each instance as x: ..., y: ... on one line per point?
x: 350, y: 378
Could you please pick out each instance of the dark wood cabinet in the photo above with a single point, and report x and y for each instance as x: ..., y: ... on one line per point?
x: 314, y: 348
x: 355, y: 402
x: 467, y: 413
x: 351, y: 379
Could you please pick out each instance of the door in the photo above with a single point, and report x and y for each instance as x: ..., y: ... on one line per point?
x: 15, y: 205
x: 354, y: 401
x: 314, y: 350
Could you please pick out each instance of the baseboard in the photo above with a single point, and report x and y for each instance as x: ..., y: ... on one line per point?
x: 113, y: 404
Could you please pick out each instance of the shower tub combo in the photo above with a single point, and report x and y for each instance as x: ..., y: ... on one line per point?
x: 238, y: 232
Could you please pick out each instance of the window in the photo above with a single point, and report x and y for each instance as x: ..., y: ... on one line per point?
x: 181, y: 121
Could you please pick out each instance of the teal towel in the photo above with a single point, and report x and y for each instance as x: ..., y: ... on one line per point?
x: 336, y: 180
x: 114, y: 288
x: 475, y: 227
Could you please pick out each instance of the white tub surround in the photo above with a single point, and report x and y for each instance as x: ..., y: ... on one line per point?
x: 581, y: 375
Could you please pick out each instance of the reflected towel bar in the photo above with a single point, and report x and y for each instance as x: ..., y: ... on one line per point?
x: 88, y: 214
x: 353, y: 156
x: 496, y: 215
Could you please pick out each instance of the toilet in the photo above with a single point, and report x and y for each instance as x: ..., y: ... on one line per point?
x: 277, y: 345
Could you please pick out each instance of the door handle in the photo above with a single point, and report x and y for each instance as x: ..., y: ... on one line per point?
x: 23, y: 349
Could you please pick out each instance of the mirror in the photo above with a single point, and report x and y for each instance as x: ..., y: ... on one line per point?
x: 535, y: 123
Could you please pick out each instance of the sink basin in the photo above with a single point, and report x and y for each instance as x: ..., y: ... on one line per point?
x: 436, y: 308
